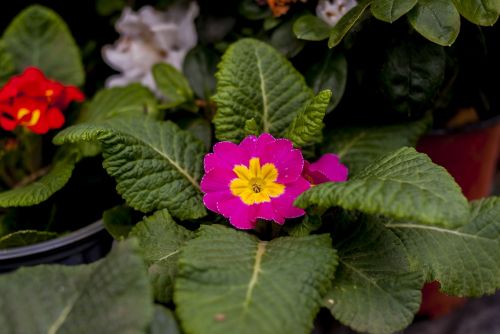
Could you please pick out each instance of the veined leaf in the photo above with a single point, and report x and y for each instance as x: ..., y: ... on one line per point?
x: 230, y: 282
x: 374, y: 290
x: 256, y: 81
x: 160, y: 239
x: 436, y: 20
x: 173, y: 85
x: 391, y: 10
x: 357, y: 147
x: 156, y: 164
x: 251, y: 128
x: 311, y: 28
x: 481, y: 12
x: 163, y: 322
x: 111, y: 296
x: 347, y: 22
x: 39, y: 37
x: 465, y: 261
x: 7, y: 67
x: 25, y: 238
x: 41, y: 189
x: 307, y: 125
x: 403, y: 185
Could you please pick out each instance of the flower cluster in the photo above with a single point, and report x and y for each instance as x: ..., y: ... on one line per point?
x: 261, y: 178
x: 35, y: 102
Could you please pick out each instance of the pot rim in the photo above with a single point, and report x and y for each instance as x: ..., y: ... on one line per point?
x: 50, y: 245
x: 483, y: 124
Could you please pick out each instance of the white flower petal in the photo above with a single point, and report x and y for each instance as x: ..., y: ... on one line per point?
x: 331, y: 11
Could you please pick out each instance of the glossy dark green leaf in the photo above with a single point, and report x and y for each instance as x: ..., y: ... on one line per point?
x: 482, y: 12
x: 199, y: 67
x: 311, y: 28
x: 347, y: 22
x: 391, y: 10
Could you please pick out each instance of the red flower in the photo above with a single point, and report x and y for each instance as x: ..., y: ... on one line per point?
x: 35, y: 102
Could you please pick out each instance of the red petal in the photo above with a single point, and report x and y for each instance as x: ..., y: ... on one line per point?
x: 55, y: 118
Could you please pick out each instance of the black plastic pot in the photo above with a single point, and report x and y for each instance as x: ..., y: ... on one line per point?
x: 85, y: 245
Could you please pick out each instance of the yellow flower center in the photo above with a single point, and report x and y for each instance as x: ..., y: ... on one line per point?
x: 256, y: 184
x: 35, y: 116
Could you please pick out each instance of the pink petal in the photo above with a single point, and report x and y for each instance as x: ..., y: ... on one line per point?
x: 228, y: 154
x: 327, y: 169
x: 240, y: 215
x: 212, y: 199
x: 217, y: 179
x: 284, y: 204
x: 288, y: 160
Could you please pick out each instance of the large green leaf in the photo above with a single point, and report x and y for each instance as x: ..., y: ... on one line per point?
x: 391, y: 10
x: 436, y: 20
x: 41, y: 189
x: 7, y: 66
x: 39, y: 37
x: 374, y: 290
x: 347, y: 22
x: 329, y: 73
x: 307, y: 125
x: 156, y: 164
x: 230, y: 282
x: 25, y: 238
x: 256, y: 81
x: 111, y: 296
x: 482, y: 12
x: 402, y: 185
x: 311, y: 28
x: 173, y: 85
x: 160, y: 239
x: 465, y: 260
x: 357, y: 147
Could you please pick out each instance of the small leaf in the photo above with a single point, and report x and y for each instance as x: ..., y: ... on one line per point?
x: 284, y: 40
x: 173, y: 85
x: 436, y: 20
x: 391, y: 10
x: 25, y: 238
x: 118, y: 221
x: 199, y: 67
x: 251, y: 128
x: 160, y: 239
x: 465, y: 260
x: 347, y: 22
x: 481, y: 12
x: 311, y: 28
x: 374, y: 290
x: 41, y: 189
x: 230, y: 282
x: 110, y: 296
x: 39, y: 37
x: 156, y: 164
x: 402, y: 185
x: 163, y: 322
x: 357, y: 147
x: 7, y: 67
x: 307, y: 125
x: 329, y: 73
x: 256, y: 81
x: 306, y: 226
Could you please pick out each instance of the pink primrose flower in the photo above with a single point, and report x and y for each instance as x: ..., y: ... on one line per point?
x: 327, y: 169
x: 259, y: 178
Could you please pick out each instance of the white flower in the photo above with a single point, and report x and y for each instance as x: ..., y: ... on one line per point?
x: 331, y: 11
x: 149, y: 37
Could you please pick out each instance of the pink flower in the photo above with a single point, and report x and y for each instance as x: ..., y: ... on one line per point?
x: 327, y: 169
x: 259, y: 178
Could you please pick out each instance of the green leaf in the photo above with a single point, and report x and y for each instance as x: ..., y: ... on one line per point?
x: 374, y: 290
x: 347, y: 22
x: 329, y: 73
x: 402, y: 185
x: 307, y: 125
x: 481, y: 12
x: 284, y: 40
x: 163, y: 322
x: 391, y: 10
x: 465, y: 260
x: 25, y: 238
x: 256, y: 81
x: 118, y: 221
x: 156, y: 164
x: 230, y: 282
x: 199, y: 67
x: 357, y: 147
x: 160, y: 239
x: 41, y: 189
x: 39, y: 37
x: 311, y: 28
x: 7, y: 66
x: 306, y: 226
x: 251, y: 128
x: 436, y: 20
x: 110, y: 296
x: 173, y: 86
